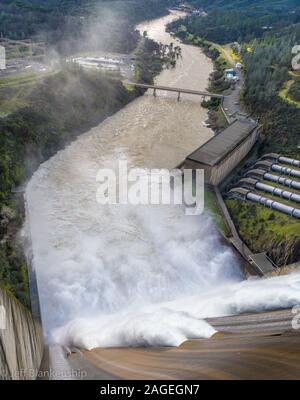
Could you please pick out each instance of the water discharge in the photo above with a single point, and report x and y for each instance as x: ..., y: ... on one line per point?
x: 136, y: 275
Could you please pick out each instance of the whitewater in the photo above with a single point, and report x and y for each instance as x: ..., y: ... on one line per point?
x: 121, y: 275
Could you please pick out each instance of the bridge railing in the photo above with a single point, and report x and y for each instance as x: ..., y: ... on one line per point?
x: 174, y: 89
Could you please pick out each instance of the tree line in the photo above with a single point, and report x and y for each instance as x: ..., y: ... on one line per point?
x: 75, y: 25
x: 267, y: 56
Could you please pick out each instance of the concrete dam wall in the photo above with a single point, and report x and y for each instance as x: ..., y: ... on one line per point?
x: 21, y: 340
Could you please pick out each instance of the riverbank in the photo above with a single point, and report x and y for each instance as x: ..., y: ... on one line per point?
x: 217, y: 118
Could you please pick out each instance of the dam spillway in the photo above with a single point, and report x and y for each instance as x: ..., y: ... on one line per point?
x: 131, y: 276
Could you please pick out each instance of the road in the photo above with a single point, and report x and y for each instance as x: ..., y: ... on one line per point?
x: 253, y: 346
x: 231, y: 103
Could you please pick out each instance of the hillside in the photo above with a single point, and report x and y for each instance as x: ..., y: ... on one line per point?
x: 74, y: 25
x: 266, y: 32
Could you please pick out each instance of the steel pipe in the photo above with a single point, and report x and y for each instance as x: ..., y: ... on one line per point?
x: 285, y: 170
x: 269, y: 166
x: 274, y: 191
x: 241, y: 193
x: 275, y: 205
x: 261, y: 174
x: 274, y: 157
x: 291, y: 161
x: 278, y: 192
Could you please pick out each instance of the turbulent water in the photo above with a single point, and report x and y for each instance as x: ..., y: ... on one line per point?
x: 136, y: 275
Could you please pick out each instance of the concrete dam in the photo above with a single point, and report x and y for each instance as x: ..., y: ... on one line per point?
x: 21, y: 340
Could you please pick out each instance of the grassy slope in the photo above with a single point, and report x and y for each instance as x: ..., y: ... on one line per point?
x: 290, y: 91
x: 213, y: 209
x: 266, y: 230
x: 15, y: 91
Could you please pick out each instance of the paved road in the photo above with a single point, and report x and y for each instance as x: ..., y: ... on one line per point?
x: 253, y: 346
x: 232, y: 102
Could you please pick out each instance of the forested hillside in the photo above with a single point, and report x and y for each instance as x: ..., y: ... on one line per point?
x: 267, y: 32
x: 234, y: 20
x: 267, y: 71
x: 78, y: 24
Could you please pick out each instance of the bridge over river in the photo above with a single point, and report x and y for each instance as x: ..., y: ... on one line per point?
x: 155, y: 88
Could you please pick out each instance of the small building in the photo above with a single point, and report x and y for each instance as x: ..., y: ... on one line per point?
x: 267, y: 28
x: 231, y: 75
x: 199, y: 13
x: 222, y: 153
x: 186, y: 8
x: 112, y: 63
